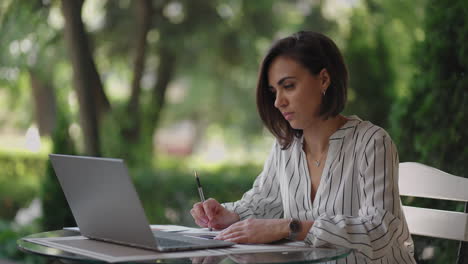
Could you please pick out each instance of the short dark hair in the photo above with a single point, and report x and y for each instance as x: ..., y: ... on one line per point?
x: 315, y: 52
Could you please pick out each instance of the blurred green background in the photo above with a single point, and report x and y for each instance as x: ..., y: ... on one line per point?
x: 168, y: 85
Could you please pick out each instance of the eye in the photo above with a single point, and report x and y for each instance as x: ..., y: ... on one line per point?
x: 288, y: 86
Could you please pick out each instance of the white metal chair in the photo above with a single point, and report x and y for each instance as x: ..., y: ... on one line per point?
x: 419, y: 180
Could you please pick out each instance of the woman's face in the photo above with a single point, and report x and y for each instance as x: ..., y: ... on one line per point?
x: 298, y: 92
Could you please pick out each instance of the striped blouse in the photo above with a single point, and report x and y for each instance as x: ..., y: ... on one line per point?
x: 357, y: 204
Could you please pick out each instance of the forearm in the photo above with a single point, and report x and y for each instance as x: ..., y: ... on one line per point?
x: 305, y: 227
x: 372, y: 233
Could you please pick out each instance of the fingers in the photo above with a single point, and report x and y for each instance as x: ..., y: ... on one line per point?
x: 199, y: 215
x: 232, y: 232
x: 233, y: 228
x: 204, y: 213
x: 201, y: 224
x: 211, y: 208
x: 212, y: 214
x: 239, y: 237
x: 218, y: 225
x: 245, y: 232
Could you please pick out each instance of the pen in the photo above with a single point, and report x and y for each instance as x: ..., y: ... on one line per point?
x: 200, y: 191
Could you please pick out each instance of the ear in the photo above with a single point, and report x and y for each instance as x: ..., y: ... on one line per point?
x: 324, y: 79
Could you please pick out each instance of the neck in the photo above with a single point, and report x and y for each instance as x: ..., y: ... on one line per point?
x: 316, y: 137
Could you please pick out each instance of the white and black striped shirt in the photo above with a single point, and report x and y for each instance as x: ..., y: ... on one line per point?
x: 357, y: 204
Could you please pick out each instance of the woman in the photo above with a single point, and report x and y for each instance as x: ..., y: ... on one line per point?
x: 329, y: 180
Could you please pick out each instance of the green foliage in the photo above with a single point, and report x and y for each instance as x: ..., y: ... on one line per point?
x: 372, y: 76
x: 433, y: 119
x: 377, y: 49
x: 114, y: 143
x: 21, y: 174
x: 430, y: 125
x: 29, y: 44
x: 226, y: 49
x: 9, y: 234
x: 168, y: 194
x: 56, y: 213
x: 219, y: 44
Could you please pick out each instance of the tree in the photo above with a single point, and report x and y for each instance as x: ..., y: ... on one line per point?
x: 144, y: 13
x: 28, y: 42
x: 430, y: 125
x: 92, y: 99
x: 137, y: 117
x: 372, y: 77
x: 214, y: 45
x: 378, y: 46
x: 434, y: 117
x: 45, y: 106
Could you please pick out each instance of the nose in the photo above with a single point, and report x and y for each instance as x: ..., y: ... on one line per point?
x: 280, y: 100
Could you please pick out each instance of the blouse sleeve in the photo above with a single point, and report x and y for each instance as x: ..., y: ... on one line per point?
x: 373, y: 231
x: 263, y: 200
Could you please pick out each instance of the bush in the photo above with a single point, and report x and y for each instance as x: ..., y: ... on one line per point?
x: 430, y: 126
x: 56, y: 212
x: 168, y: 194
x: 19, y: 181
x: 9, y: 234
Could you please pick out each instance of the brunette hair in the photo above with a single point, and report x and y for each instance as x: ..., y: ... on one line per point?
x: 315, y: 52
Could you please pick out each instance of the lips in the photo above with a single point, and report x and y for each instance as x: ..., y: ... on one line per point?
x: 288, y: 115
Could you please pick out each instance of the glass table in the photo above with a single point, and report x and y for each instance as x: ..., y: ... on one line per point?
x: 314, y: 255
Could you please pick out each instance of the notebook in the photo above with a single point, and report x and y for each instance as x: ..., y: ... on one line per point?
x: 106, y: 206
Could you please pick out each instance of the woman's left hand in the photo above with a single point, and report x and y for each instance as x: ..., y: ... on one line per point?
x: 256, y: 231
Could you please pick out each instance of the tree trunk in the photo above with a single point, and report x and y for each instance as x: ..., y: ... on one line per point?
x: 164, y: 74
x: 144, y: 15
x: 92, y: 100
x: 45, y: 106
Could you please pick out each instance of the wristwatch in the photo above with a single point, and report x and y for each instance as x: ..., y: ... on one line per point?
x: 294, y: 229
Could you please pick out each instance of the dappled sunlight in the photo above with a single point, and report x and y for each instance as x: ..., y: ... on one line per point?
x: 174, y: 90
x: 27, y: 215
x: 27, y: 142
x: 33, y: 140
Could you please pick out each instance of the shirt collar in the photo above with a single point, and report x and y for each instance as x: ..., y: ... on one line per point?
x: 347, y: 127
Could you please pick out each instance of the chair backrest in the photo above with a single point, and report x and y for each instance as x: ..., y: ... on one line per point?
x: 419, y: 180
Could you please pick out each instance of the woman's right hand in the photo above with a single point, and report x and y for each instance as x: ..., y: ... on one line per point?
x: 212, y: 214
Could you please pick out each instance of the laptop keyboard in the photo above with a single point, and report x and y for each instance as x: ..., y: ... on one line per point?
x: 172, y: 242
x: 165, y: 242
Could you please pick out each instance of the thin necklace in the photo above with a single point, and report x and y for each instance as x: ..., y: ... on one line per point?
x: 317, y: 162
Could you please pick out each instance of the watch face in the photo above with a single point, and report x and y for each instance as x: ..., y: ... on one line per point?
x: 295, y: 226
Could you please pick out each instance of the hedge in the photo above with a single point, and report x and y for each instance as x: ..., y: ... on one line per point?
x: 20, y: 178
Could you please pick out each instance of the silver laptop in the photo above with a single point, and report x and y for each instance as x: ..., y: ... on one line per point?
x: 106, y: 206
